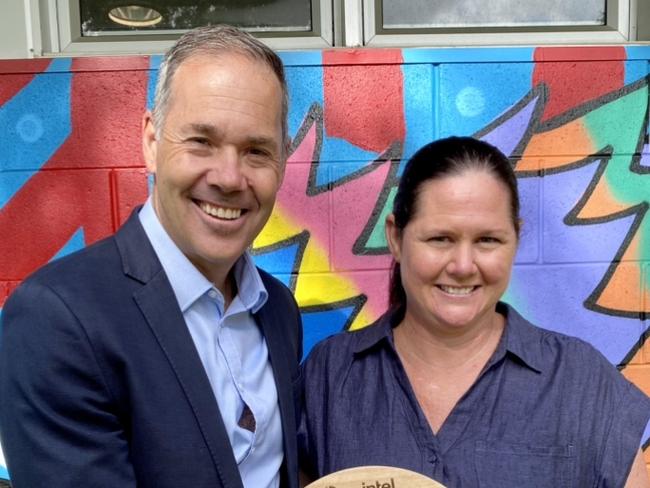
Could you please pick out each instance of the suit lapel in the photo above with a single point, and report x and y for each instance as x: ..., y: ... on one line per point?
x: 272, y: 328
x: 158, y: 303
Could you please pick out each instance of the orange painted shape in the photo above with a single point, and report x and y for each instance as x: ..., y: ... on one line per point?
x: 621, y: 294
x: 558, y: 147
x: 601, y: 203
x: 642, y: 355
x: 623, y: 291
x: 639, y: 375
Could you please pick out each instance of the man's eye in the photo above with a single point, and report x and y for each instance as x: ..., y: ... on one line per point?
x: 256, y: 151
x: 199, y: 140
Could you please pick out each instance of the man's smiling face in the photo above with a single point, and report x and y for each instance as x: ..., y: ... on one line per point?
x: 218, y: 158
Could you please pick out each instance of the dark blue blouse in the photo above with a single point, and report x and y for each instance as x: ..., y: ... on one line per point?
x: 547, y: 410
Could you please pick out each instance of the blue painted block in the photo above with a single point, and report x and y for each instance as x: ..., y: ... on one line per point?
x: 473, y: 95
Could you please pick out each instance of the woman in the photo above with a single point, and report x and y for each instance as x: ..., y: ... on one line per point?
x: 452, y: 383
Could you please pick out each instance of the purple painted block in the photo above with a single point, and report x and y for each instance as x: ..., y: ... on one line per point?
x: 512, y: 127
x: 552, y: 297
x: 582, y: 242
x: 645, y: 157
x: 529, y: 243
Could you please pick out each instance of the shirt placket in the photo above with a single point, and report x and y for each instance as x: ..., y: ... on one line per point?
x: 230, y: 355
x: 429, y: 443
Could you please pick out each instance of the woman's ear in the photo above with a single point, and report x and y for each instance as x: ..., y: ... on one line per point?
x: 393, y: 237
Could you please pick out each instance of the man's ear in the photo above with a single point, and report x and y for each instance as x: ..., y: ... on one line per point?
x: 149, y: 142
x: 393, y: 237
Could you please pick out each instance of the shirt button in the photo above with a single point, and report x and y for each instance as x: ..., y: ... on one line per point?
x: 212, y: 294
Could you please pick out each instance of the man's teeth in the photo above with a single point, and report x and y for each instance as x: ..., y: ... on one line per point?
x: 220, y: 212
x: 457, y: 290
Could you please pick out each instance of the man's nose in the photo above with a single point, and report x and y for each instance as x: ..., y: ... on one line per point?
x: 226, y: 171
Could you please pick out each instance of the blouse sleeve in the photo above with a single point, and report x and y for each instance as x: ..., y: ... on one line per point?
x: 628, y: 419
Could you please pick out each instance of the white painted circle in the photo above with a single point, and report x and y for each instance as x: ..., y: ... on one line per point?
x: 470, y: 102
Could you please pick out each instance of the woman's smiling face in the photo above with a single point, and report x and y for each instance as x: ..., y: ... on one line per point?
x: 457, y: 250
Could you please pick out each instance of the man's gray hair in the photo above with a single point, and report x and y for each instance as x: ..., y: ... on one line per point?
x: 216, y: 40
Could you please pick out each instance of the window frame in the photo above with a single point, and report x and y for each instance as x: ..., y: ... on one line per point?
x: 58, y: 33
x: 337, y: 23
x: 620, y: 28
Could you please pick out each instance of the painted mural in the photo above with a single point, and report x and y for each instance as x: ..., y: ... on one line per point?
x: 574, y: 122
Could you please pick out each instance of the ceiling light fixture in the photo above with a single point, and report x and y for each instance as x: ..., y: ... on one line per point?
x: 135, y: 16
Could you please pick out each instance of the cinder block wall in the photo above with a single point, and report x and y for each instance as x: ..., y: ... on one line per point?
x: 573, y: 120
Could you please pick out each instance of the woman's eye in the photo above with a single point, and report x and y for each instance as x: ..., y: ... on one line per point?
x: 489, y: 240
x: 440, y: 239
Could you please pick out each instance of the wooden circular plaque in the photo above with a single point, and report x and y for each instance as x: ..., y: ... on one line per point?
x: 375, y: 477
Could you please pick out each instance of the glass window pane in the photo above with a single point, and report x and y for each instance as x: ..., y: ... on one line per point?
x: 643, y: 21
x: 101, y: 17
x: 479, y: 13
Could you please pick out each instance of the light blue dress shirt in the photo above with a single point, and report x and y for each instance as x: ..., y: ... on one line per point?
x: 233, y: 352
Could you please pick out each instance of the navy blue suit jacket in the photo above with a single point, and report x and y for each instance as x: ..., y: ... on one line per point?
x: 101, y: 385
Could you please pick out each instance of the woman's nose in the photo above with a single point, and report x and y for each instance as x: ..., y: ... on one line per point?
x: 462, y: 260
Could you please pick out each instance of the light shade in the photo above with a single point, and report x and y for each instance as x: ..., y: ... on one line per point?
x: 135, y: 16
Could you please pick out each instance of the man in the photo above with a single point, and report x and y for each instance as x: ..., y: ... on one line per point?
x: 161, y: 357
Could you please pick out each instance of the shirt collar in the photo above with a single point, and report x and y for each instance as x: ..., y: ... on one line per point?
x: 370, y: 336
x: 187, y: 282
x: 250, y: 288
x: 520, y: 338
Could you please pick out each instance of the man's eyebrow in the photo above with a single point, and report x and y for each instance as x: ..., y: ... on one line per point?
x: 261, y: 141
x: 205, y: 129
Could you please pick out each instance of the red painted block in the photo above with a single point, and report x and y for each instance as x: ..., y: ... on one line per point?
x: 27, y: 66
x: 107, y: 110
x: 576, y: 75
x: 364, y: 102
x: 11, y: 84
x: 582, y: 53
x: 129, y: 190
x: 41, y: 218
x: 362, y: 56
x: 6, y: 289
x: 111, y: 63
